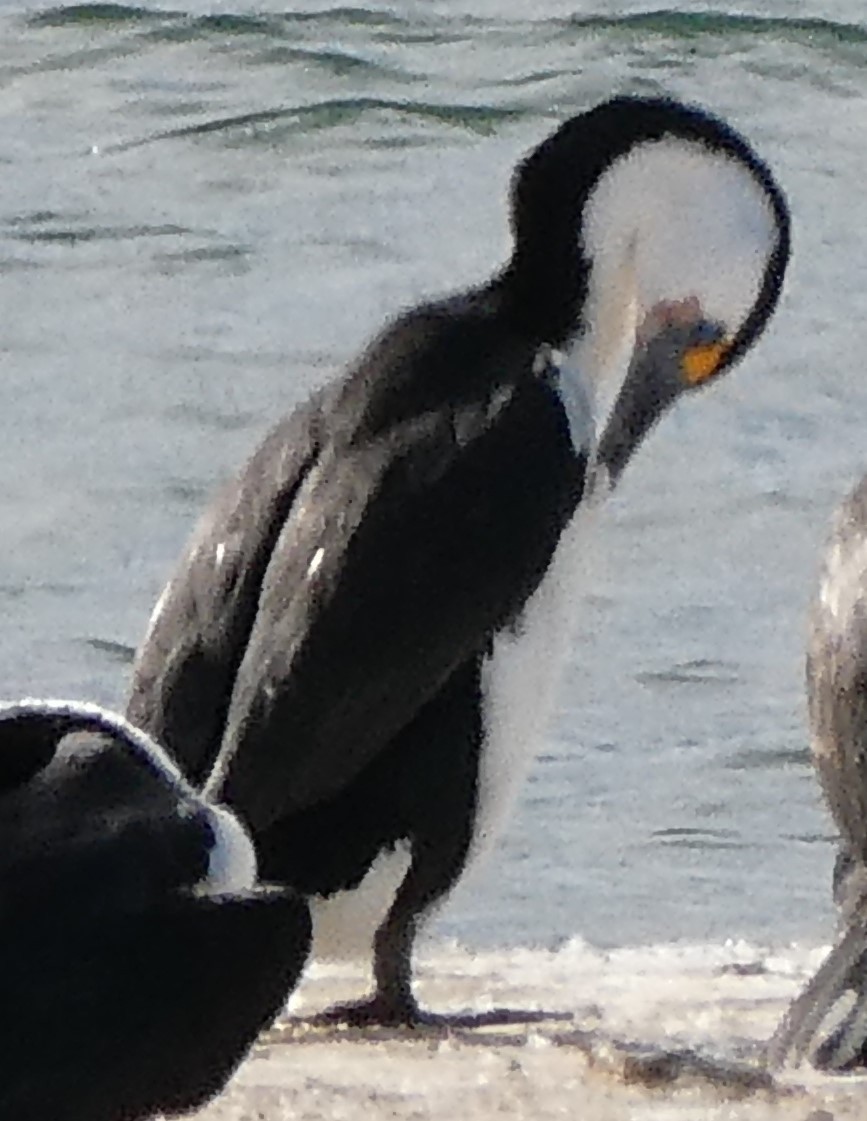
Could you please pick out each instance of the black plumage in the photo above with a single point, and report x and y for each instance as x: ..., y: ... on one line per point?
x: 321, y: 659
x: 133, y: 984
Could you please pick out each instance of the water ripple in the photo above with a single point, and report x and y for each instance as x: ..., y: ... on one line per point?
x: 683, y: 25
x: 699, y: 839
x: 117, y: 651
x: 165, y: 20
x: 76, y: 234
x: 697, y: 671
x: 196, y: 414
x: 768, y: 758
x: 660, y: 21
x: 77, y: 14
x: 332, y: 113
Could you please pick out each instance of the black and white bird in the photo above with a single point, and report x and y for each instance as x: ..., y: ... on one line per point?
x: 141, y: 957
x: 837, y: 710
x: 360, y: 645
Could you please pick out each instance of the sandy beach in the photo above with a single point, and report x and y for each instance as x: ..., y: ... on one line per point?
x: 665, y: 1033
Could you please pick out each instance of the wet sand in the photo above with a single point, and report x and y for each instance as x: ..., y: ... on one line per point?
x: 680, y: 1042
x: 541, y: 1074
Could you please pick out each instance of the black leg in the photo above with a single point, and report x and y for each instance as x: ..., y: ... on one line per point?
x: 392, y: 961
x: 392, y: 1003
x: 435, y: 867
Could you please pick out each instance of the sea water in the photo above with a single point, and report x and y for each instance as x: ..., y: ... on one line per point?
x: 206, y: 210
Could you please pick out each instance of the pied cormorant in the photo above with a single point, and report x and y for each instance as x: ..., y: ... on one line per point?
x: 837, y: 711
x: 141, y: 956
x: 359, y: 647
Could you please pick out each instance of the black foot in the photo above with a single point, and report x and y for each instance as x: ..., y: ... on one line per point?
x: 378, y: 1011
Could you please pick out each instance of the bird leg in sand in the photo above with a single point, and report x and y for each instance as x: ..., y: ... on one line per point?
x: 392, y: 1004
x: 844, y: 970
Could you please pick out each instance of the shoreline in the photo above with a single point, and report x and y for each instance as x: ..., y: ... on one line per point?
x: 657, y: 1034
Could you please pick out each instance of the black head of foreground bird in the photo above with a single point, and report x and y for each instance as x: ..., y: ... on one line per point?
x: 140, y: 955
x: 359, y: 647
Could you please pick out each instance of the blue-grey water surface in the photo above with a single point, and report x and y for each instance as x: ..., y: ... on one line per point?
x: 205, y: 211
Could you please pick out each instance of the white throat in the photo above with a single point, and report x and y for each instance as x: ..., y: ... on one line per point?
x: 576, y: 391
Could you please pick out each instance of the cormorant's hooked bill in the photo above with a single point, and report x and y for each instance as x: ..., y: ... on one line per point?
x: 137, y: 973
x: 358, y: 647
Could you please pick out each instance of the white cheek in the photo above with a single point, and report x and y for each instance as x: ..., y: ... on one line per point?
x: 708, y: 234
x: 670, y: 221
x: 232, y: 864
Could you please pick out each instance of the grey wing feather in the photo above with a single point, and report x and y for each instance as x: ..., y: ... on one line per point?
x: 837, y: 704
x: 184, y: 672
x: 371, y: 602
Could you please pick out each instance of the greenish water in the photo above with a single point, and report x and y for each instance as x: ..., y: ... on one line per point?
x: 205, y: 212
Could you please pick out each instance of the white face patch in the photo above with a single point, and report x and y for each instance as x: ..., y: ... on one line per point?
x: 232, y: 861
x: 669, y: 221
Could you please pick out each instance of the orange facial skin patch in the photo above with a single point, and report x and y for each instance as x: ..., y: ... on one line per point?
x: 702, y: 361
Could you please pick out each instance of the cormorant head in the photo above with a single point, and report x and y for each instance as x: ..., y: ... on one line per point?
x: 640, y: 215
x: 141, y: 956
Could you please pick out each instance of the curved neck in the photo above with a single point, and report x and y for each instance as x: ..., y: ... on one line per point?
x: 543, y: 292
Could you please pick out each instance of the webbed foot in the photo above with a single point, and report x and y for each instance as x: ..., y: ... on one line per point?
x: 379, y: 1010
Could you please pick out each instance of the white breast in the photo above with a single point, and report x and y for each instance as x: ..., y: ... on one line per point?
x: 519, y: 683
x: 520, y: 680
x: 521, y: 675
